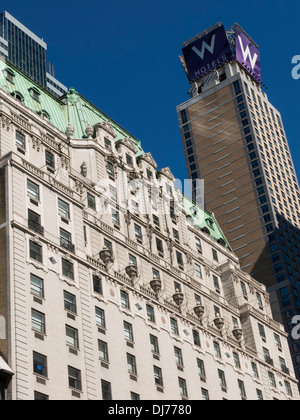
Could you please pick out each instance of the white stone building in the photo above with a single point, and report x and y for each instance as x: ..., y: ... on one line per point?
x: 111, y: 289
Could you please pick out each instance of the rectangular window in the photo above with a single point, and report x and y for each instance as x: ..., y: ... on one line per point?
x: 285, y: 296
x: 242, y: 389
x: 277, y: 341
x: 70, y: 302
x: 176, y: 235
x: 196, y: 338
x: 20, y: 140
x: 38, y: 396
x: 97, y: 285
x: 115, y: 218
x: 71, y: 336
x: 236, y: 360
x: 134, y: 396
x: 150, y: 313
x: 33, y: 190
x: 261, y: 330
x: 155, y: 274
x: 135, y: 208
x: 129, y: 160
x: 217, y: 350
x: 174, y: 326
x: 131, y: 364
x: 288, y: 388
x: 244, y: 290
x: 158, y: 376
x: 160, y: 247
x: 106, y: 390
x: 34, y: 222
x: 66, y: 240
x: 125, y: 300
x: 198, y: 271
x: 179, y: 259
x: 182, y: 387
x: 91, y: 201
x: 272, y: 379
x: 198, y: 244
x: 154, y: 344
x: 38, y: 321
x: 259, y: 394
x: 110, y: 170
x: 36, y: 286
x: 222, y: 378
x: 107, y: 143
x: 128, y: 332
x: 113, y: 193
x: 254, y: 370
x: 103, y: 351
x: 67, y: 269
x: 35, y: 252
x: 216, y: 284
x: 50, y: 161
x: 156, y: 221
x: 149, y: 174
x: 205, y: 394
x: 100, y: 317
x: 132, y: 259
x: 215, y: 255
x: 63, y: 209
x: 138, y: 233
x: 74, y: 378
x: 40, y: 364
x: 201, y: 368
x: 178, y: 356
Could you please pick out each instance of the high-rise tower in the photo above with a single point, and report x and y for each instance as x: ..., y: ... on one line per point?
x: 27, y: 52
x: 234, y: 139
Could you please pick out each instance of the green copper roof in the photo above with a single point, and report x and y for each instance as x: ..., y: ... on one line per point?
x: 72, y: 107
x: 204, y: 221
x: 75, y: 109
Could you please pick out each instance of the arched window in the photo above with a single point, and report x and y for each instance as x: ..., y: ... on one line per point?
x: 18, y: 96
x: 44, y: 114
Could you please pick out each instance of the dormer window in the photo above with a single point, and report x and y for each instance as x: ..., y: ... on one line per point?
x: 129, y: 160
x: 107, y: 143
x: 44, y: 114
x: 35, y: 94
x: 10, y: 75
x: 210, y: 223
x: 18, y: 96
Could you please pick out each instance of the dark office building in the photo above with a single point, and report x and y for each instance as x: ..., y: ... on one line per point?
x: 28, y: 53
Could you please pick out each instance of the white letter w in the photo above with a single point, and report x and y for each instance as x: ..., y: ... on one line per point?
x: 246, y: 54
x: 205, y: 46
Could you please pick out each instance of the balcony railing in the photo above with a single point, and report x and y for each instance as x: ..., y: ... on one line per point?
x: 285, y: 369
x: 65, y: 243
x: 269, y: 360
x: 37, y: 227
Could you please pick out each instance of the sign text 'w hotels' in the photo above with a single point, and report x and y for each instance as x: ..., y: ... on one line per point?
x: 247, y: 54
x: 207, y: 53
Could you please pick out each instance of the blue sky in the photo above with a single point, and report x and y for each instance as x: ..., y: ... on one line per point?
x: 123, y: 57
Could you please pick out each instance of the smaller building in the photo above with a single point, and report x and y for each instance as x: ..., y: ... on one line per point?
x: 28, y: 53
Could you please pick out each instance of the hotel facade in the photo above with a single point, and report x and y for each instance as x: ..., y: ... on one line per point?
x: 114, y: 285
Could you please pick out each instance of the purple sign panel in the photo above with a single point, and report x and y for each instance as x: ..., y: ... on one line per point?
x: 247, y: 54
x: 207, y: 53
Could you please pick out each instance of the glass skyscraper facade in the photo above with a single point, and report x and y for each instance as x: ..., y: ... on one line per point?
x: 234, y: 139
x: 28, y: 53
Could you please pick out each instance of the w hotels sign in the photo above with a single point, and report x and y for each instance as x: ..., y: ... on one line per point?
x: 207, y: 53
x: 216, y: 47
x: 247, y: 54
